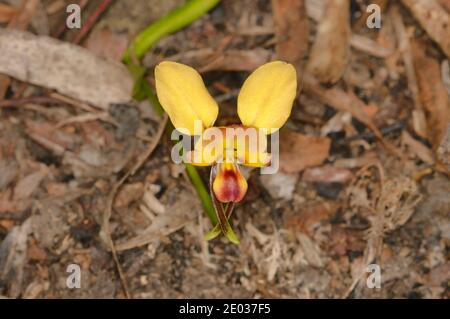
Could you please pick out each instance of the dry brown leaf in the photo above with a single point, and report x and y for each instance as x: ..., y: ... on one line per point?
x: 29, y: 13
x: 69, y: 69
x: 404, y: 48
x: 433, y: 94
x: 237, y: 60
x: 299, y: 151
x: 445, y: 4
x: 291, y: 30
x: 35, y: 252
x: 310, y: 216
x: 27, y: 185
x: 55, y: 6
x: 7, y: 204
x: 27, y: 10
x: 330, y: 52
x: 107, y: 44
x: 6, y: 13
x: 434, y: 19
x: 9, y: 169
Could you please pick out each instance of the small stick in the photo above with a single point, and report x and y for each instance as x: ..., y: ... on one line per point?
x: 105, y: 226
x: 91, y: 21
x: 36, y: 99
x: 63, y: 27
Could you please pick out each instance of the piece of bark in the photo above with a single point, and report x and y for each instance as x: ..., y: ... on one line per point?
x: 291, y: 30
x: 331, y: 49
x: 66, y: 68
x: 434, y: 19
x: 299, y: 151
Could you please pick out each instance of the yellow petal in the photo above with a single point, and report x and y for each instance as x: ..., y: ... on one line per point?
x: 255, y: 159
x: 208, y: 149
x: 184, y: 97
x: 266, y: 98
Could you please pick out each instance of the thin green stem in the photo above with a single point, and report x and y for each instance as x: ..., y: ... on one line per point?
x: 202, y: 193
x: 175, y: 20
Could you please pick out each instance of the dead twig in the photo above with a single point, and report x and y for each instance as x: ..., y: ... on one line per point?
x: 63, y: 27
x: 91, y: 21
x: 35, y: 100
x: 106, y: 233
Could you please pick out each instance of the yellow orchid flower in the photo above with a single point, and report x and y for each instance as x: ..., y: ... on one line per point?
x: 264, y: 105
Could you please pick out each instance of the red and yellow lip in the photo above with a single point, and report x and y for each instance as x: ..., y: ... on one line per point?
x: 229, y: 185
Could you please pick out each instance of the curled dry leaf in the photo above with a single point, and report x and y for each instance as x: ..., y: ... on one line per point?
x: 330, y: 52
x: 299, y: 151
x: 69, y: 69
x: 291, y: 30
x: 433, y: 94
x: 434, y: 19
